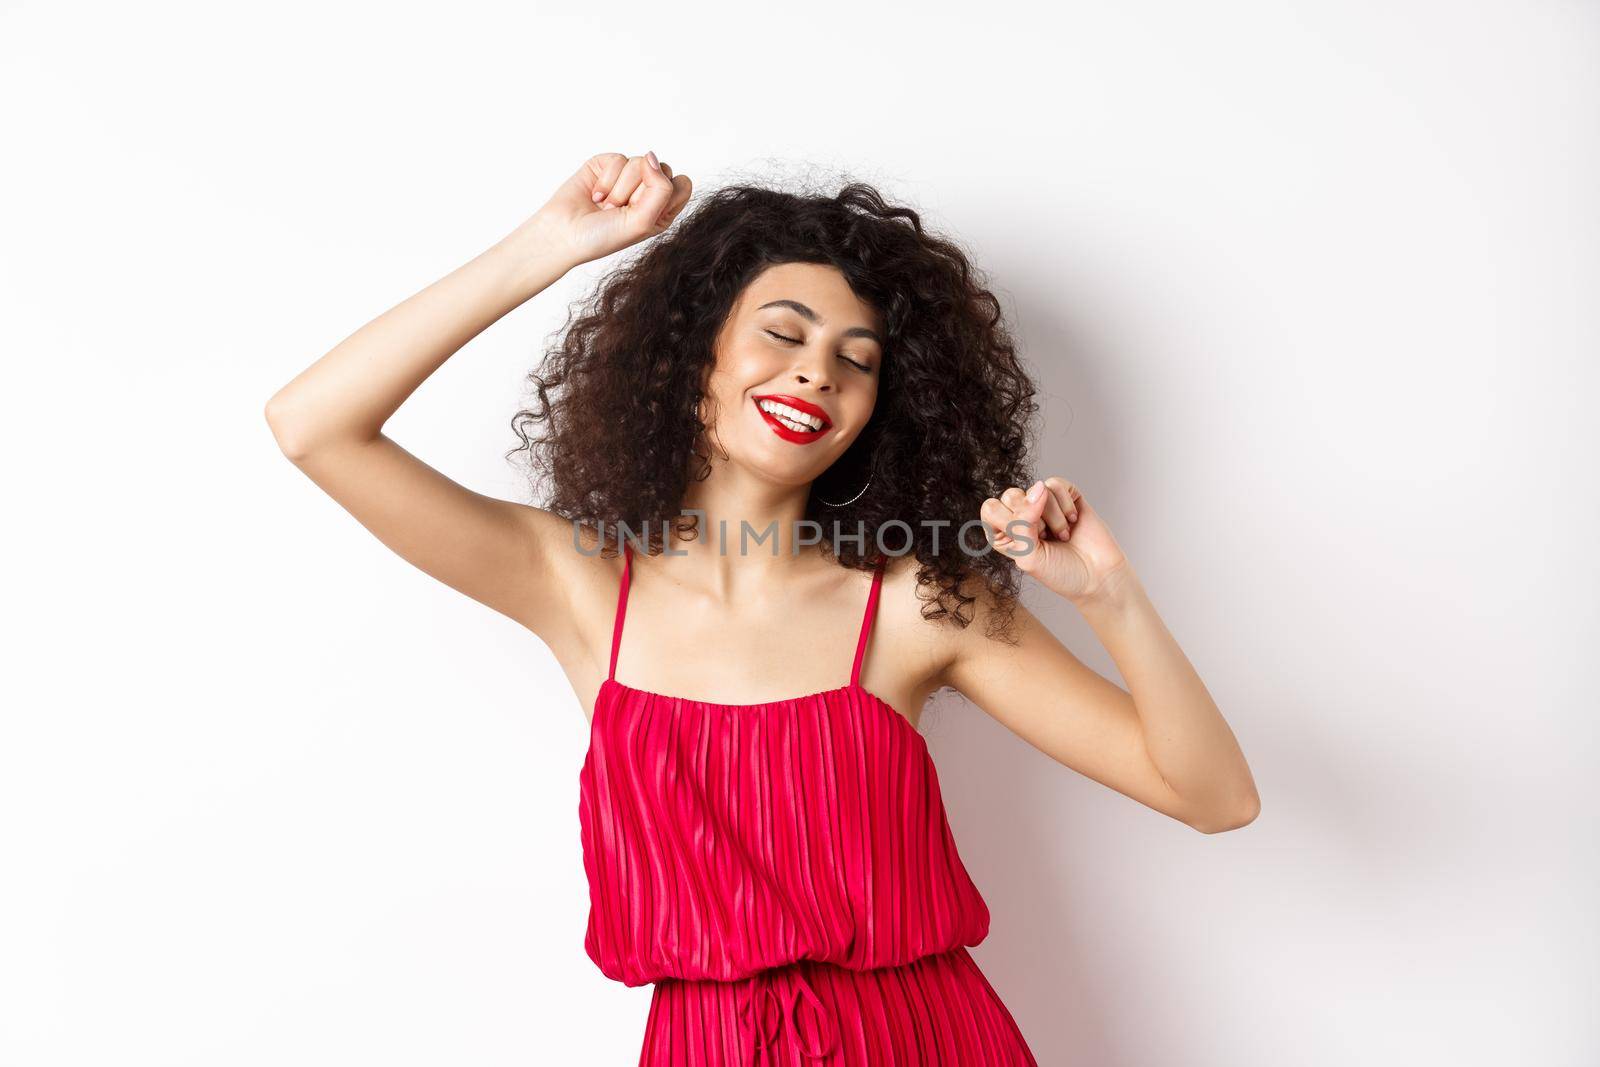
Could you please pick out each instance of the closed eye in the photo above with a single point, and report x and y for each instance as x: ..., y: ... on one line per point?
x: 795, y: 340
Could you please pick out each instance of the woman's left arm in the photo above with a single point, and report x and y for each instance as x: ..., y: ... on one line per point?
x: 1162, y: 741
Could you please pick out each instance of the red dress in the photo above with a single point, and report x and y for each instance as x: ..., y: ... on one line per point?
x: 785, y: 875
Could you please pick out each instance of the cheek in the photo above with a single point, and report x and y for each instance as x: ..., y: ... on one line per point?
x: 744, y: 369
x: 861, y: 407
x: 727, y: 384
x: 737, y: 376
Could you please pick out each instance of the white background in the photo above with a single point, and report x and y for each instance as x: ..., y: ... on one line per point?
x: 1310, y: 292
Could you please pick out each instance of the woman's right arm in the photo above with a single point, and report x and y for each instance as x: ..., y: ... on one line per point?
x: 329, y: 419
x: 329, y: 422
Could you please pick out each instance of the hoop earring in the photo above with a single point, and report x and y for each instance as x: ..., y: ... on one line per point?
x: 852, y: 500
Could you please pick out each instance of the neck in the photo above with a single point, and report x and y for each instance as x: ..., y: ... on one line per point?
x: 745, y: 518
x: 749, y: 535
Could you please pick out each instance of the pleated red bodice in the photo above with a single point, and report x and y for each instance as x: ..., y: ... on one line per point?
x: 720, y: 840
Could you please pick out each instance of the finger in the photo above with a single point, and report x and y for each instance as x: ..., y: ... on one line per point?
x: 995, y: 514
x: 1021, y: 523
x: 682, y: 189
x: 1028, y: 510
x: 1067, y: 496
x: 1053, y: 514
x: 627, y: 182
x: 1012, y: 504
x: 656, y: 192
x: 997, y: 519
x: 607, y: 167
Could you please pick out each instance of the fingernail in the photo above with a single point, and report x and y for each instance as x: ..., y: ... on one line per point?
x: 654, y: 162
x: 596, y: 195
x: 1036, y: 492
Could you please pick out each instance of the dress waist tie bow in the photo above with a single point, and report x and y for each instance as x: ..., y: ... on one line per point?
x: 760, y: 1038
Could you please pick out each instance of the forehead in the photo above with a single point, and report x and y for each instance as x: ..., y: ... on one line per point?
x: 817, y: 285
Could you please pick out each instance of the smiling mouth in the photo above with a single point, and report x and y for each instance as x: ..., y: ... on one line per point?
x: 790, y: 418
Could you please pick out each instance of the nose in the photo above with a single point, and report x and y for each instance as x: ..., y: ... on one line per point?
x: 821, y: 383
x: 815, y: 371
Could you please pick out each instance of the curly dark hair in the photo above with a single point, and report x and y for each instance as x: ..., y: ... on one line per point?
x: 953, y: 424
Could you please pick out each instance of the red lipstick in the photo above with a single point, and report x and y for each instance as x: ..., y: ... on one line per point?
x: 789, y: 433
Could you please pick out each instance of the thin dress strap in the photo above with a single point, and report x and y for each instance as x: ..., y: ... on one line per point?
x: 622, y: 606
x: 866, y: 622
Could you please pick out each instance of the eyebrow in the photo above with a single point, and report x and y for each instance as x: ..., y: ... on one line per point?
x: 811, y: 316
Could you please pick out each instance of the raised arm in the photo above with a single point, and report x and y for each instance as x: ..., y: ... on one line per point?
x: 329, y: 419
x: 1163, y: 741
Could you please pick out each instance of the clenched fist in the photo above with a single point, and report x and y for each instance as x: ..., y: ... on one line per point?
x: 1052, y: 533
x: 611, y: 202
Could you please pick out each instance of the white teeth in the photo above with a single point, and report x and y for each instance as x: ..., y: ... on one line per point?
x: 791, y: 417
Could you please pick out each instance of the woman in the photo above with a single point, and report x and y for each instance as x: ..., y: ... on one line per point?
x: 803, y: 411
